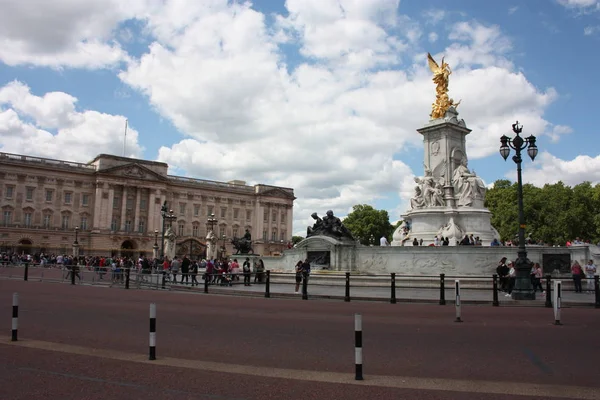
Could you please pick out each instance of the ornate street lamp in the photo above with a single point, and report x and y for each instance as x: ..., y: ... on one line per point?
x: 523, y: 289
x: 156, y: 238
x: 167, y: 215
x: 211, y: 221
x: 223, y: 247
x: 76, y: 232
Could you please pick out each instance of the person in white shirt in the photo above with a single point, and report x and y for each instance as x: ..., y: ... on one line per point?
x: 383, y: 241
x: 590, y: 271
x: 436, y: 241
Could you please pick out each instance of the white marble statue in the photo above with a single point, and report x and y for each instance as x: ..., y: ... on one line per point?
x: 467, y: 185
x: 211, y: 246
x: 428, y: 192
x: 451, y: 231
x: 170, y: 238
x: 417, y: 201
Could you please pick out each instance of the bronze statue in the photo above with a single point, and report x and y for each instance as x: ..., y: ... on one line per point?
x: 329, y: 225
x: 243, y: 245
x: 441, y: 76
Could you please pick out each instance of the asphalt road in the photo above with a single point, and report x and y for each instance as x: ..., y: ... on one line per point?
x: 84, y: 342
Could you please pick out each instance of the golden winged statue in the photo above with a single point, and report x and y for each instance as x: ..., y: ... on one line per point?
x: 441, y: 76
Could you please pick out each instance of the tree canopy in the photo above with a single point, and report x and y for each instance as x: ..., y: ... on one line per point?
x: 554, y: 213
x: 367, y: 223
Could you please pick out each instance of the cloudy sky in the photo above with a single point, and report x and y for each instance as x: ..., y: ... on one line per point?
x: 323, y: 96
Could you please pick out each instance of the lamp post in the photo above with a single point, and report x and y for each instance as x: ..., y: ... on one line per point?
x: 211, y: 221
x: 223, y: 247
x: 76, y: 246
x: 76, y: 232
x: 523, y: 289
x: 166, y: 215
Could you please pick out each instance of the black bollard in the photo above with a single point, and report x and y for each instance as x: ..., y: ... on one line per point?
x: 15, y: 318
x: 152, y: 338
x: 164, y: 280
x: 268, y: 285
x: 72, y: 274
x: 393, y: 297
x: 26, y: 273
x: 495, y: 301
x: 304, y: 287
x: 127, y: 273
x: 597, y: 291
x: 548, y: 303
x: 358, y: 362
x: 207, y: 278
x: 442, y: 290
x: 347, y: 296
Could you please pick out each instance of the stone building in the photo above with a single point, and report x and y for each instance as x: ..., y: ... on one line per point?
x: 112, y: 206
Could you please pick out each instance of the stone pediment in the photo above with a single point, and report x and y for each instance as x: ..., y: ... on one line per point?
x: 133, y: 171
x: 278, y: 193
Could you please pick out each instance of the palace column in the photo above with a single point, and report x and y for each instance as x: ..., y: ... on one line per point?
x: 111, y: 201
x: 98, y: 209
x: 124, y: 208
x: 138, y: 195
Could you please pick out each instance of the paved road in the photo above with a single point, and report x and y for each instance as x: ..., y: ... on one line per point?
x: 90, y: 342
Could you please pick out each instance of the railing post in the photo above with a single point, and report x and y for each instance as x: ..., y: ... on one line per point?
x: 127, y: 276
x: 393, y: 297
x: 347, y: 296
x: 304, y: 286
x: 26, y: 273
x: 597, y: 291
x: 268, y: 284
x: 548, y: 303
x: 495, y: 301
x: 442, y: 290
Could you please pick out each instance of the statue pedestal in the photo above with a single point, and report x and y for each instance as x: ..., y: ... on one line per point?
x: 444, y: 143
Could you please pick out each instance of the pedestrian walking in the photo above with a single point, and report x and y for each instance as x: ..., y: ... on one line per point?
x: 590, y: 271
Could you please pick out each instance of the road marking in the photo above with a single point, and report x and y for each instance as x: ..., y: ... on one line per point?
x: 400, y: 382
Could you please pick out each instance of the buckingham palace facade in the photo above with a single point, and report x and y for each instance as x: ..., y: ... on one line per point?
x: 112, y: 206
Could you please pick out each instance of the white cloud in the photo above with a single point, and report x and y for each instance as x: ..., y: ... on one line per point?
x: 551, y: 169
x: 590, y: 30
x: 433, y: 37
x: 433, y: 16
x: 329, y: 124
x: 580, y: 4
x: 50, y: 126
x: 64, y: 33
x: 512, y: 10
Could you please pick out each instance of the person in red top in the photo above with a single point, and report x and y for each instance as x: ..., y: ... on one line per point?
x: 577, y: 272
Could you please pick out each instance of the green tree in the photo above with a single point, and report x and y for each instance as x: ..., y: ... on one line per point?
x: 367, y: 223
x: 297, y: 239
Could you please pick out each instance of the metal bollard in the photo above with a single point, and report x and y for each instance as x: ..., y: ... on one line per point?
x: 347, y: 296
x: 457, y: 301
x: 15, y: 317
x: 152, y: 341
x: 207, y: 278
x: 268, y: 284
x: 597, y: 291
x: 557, y: 302
x: 495, y: 301
x: 26, y: 272
x: 442, y: 290
x: 127, y: 276
x: 164, y: 280
x: 72, y: 274
x: 548, y: 302
x: 358, y: 368
x: 304, y: 287
x: 393, y: 296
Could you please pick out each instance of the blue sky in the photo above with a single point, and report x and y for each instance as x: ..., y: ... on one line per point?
x: 322, y: 96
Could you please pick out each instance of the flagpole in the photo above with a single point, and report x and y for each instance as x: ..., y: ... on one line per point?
x: 125, y: 138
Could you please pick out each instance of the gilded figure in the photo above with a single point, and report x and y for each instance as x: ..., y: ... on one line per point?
x: 441, y: 76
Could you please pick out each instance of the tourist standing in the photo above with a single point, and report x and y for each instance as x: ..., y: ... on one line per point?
x: 502, y: 271
x: 383, y: 241
x: 512, y: 277
x: 247, y: 271
x: 537, y: 277
x: 298, y: 269
x: 577, y: 273
x: 590, y: 271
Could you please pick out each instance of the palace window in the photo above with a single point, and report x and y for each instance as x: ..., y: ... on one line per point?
x: 209, y: 210
x: 235, y: 231
x: 65, y: 222
x: 7, y: 217
x: 274, y: 235
x: 283, y: 217
x: 114, y: 225
x: 236, y: 213
x: 29, y: 193
x: 248, y: 215
x: 27, y: 219
x: 196, y: 210
x: 10, y: 190
x: 116, y: 201
x: 47, y: 221
x: 143, y: 204
x: 195, y: 230
x: 83, y: 223
x: 85, y: 200
x: 68, y: 197
x: 283, y: 235
x: 129, y: 203
x: 182, y: 208
x: 221, y: 231
x: 265, y: 234
x: 274, y: 216
x: 141, y: 226
x: 266, y: 216
x: 49, y: 195
x: 223, y: 212
x: 127, y: 225
x: 180, y: 228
